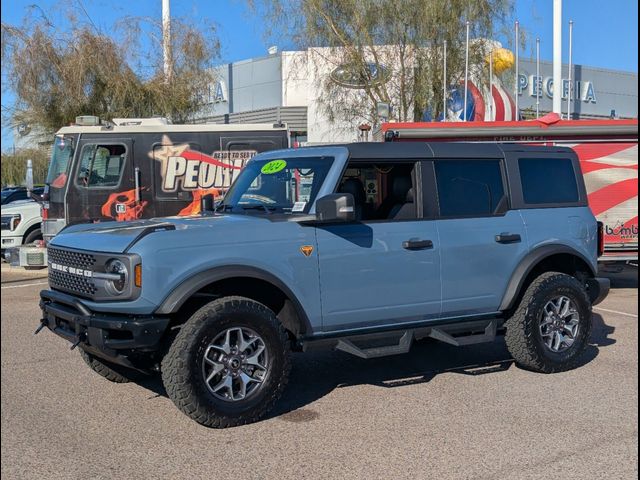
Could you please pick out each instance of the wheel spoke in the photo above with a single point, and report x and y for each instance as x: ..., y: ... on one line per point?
x: 227, y: 383
x: 557, y: 341
x: 565, y: 304
x: 244, y: 380
x: 244, y: 345
x: 254, y: 359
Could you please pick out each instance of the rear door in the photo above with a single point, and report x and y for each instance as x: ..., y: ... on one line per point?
x: 481, y: 239
x: 101, y: 184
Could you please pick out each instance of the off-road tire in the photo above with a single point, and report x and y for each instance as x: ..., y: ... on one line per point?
x: 113, y: 373
x: 182, y: 365
x: 523, y: 335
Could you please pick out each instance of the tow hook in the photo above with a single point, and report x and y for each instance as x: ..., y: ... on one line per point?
x: 80, y: 338
x: 43, y: 323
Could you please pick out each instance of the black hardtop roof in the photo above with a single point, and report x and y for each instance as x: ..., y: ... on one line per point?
x: 470, y: 150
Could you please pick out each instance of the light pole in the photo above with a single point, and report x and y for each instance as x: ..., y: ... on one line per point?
x: 557, y: 57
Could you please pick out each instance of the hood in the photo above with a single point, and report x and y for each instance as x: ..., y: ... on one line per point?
x: 22, y: 207
x: 118, y: 237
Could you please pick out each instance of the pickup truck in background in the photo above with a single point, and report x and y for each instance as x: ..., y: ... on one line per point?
x: 21, y: 226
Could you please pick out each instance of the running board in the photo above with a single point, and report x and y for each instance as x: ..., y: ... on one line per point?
x: 488, y: 336
x: 403, y: 346
x: 376, y: 344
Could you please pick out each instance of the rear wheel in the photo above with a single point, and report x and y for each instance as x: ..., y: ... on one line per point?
x: 551, y: 328
x: 229, y: 363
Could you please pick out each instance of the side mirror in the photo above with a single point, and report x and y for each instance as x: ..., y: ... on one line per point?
x: 206, y: 204
x: 336, y: 208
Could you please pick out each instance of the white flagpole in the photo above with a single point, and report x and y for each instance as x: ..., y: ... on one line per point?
x: 570, y: 67
x: 444, y: 83
x: 466, y: 75
x: 537, y: 84
x: 517, y: 46
x: 491, y: 113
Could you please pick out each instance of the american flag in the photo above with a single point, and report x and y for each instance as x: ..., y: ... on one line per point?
x: 480, y: 105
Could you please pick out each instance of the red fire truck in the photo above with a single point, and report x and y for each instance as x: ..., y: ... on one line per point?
x: 608, y: 152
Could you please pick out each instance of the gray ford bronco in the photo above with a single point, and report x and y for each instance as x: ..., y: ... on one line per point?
x: 362, y: 248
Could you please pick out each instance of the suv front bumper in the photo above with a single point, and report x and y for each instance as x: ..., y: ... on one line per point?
x: 110, y: 336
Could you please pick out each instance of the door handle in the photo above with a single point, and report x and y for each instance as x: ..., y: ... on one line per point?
x: 417, y: 244
x: 508, y: 238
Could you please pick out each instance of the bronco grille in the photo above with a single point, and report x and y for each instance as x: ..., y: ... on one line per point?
x: 71, y: 282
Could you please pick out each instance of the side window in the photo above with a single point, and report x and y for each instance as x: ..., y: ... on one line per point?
x: 101, y: 165
x: 468, y: 188
x: 548, y: 180
x: 381, y: 190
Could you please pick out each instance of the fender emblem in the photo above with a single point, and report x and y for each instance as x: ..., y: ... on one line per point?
x: 306, y: 250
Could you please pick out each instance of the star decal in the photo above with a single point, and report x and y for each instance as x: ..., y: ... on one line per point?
x: 162, y: 153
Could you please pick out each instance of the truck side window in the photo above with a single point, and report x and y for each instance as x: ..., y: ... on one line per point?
x: 382, y: 191
x: 101, y: 165
x: 468, y: 188
x: 548, y: 180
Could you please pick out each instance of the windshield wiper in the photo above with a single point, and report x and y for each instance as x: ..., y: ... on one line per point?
x: 259, y: 207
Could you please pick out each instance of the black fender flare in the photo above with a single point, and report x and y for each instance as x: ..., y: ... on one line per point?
x: 528, y: 263
x: 188, y: 287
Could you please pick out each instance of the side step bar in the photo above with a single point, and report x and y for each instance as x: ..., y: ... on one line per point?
x: 381, y: 344
x: 403, y: 346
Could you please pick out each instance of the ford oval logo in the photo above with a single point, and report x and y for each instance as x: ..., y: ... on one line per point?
x: 349, y: 76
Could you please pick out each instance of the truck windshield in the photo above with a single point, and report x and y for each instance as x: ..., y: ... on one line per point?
x: 58, y: 168
x: 288, y: 185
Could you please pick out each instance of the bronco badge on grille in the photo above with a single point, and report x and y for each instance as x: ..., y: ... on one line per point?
x: 72, y: 270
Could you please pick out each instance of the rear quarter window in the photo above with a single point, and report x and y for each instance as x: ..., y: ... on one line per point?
x: 548, y: 181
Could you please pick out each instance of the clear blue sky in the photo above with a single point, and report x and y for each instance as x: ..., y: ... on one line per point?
x: 605, y: 31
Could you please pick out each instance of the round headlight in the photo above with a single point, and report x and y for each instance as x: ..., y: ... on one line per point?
x: 119, y: 268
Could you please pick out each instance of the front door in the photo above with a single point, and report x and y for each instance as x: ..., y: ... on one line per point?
x: 384, y: 268
x: 101, y: 186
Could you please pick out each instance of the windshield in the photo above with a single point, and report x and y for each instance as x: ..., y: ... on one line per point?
x: 58, y: 168
x: 287, y: 185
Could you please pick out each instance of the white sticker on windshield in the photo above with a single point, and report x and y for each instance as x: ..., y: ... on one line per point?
x: 299, y: 206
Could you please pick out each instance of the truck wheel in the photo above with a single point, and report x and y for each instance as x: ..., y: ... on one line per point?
x: 229, y: 363
x: 550, y: 330
x: 32, y: 236
x: 113, y: 373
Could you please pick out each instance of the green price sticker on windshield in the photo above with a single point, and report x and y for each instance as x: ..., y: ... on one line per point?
x: 274, y: 166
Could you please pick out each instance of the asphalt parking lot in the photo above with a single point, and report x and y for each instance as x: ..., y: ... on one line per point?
x: 437, y: 412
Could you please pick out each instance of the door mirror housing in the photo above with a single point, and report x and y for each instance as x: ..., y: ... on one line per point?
x: 336, y: 208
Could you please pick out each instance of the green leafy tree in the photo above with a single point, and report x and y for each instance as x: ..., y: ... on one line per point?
x: 57, y: 75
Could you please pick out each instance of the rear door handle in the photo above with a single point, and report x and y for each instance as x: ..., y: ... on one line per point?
x: 417, y: 244
x: 508, y: 238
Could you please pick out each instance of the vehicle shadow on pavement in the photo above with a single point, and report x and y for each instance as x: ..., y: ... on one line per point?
x: 315, y: 375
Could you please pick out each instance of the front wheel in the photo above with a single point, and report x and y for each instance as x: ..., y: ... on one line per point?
x: 229, y: 363
x: 551, y: 328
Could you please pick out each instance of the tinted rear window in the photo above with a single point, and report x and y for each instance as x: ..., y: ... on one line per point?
x: 548, y: 180
x: 469, y: 187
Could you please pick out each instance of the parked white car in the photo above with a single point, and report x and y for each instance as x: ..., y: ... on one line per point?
x: 21, y: 223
